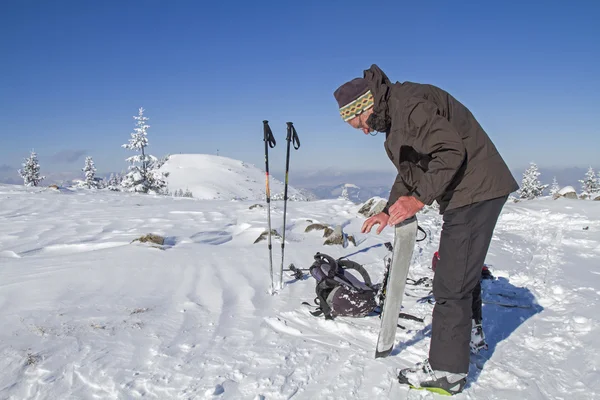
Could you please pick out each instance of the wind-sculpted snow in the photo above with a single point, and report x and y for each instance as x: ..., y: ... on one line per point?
x: 88, y: 313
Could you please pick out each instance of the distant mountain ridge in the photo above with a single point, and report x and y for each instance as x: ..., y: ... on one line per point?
x: 355, y: 193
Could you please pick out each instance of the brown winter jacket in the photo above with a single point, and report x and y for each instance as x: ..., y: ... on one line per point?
x: 438, y: 147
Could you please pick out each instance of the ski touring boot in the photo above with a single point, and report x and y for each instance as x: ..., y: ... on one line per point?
x: 478, y: 342
x: 423, y: 377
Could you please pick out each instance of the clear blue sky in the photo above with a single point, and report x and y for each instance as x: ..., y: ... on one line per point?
x: 73, y: 73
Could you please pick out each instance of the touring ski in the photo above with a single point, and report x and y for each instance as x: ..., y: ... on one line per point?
x: 404, y: 243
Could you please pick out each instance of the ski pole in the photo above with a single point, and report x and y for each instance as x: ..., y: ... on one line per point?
x: 269, y: 142
x: 292, y: 136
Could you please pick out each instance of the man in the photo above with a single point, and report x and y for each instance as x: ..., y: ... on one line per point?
x: 441, y: 154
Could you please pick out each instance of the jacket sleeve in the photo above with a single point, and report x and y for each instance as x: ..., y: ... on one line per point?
x: 398, y: 189
x: 436, y: 137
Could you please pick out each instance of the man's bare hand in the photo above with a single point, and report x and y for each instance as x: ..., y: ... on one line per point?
x: 380, y: 219
x: 404, y: 208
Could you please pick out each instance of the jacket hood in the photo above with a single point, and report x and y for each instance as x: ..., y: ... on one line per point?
x: 380, y: 86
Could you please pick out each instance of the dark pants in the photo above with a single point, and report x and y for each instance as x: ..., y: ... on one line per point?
x: 464, y: 242
x: 477, y: 312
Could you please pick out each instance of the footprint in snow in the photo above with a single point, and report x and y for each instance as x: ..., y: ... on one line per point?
x: 217, y: 391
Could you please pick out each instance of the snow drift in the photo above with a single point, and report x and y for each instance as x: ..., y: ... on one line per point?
x: 87, y: 312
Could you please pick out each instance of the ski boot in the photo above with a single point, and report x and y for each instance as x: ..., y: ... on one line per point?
x: 423, y: 377
x: 478, y: 342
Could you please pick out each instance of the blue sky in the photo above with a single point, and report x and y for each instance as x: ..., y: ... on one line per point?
x: 73, y: 73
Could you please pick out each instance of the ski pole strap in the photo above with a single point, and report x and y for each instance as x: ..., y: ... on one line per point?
x: 425, y: 233
x: 268, y: 134
x: 293, y: 135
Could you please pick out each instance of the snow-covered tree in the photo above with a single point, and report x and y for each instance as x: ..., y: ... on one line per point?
x: 160, y: 162
x: 143, y: 176
x: 181, y: 193
x: 531, y: 187
x: 89, y: 171
x: 591, y: 184
x: 31, y: 171
x: 344, y: 194
x: 554, y: 188
x: 114, y: 182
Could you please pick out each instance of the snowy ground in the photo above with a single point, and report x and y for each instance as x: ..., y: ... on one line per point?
x: 86, y: 314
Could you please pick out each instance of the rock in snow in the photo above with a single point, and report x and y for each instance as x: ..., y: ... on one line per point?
x: 567, y: 192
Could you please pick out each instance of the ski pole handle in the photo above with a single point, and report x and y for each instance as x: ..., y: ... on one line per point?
x: 268, y: 134
x: 292, y: 135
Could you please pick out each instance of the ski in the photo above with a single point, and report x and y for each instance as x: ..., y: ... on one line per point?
x: 405, y: 234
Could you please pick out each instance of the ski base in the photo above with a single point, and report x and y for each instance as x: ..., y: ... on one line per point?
x: 404, y: 243
x: 383, y: 354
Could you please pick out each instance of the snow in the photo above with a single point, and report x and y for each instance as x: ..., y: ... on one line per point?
x: 565, y: 190
x: 86, y: 313
x: 214, y: 177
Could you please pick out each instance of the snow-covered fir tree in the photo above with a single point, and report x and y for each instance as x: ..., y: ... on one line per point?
x: 143, y: 176
x: 181, y: 193
x: 160, y: 162
x: 31, y: 171
x: 114, y: 182
x: 554, y: 188
x: 591, y: 184
x: 531, y: 187
x: 89, y: 171
x: 344, y: 194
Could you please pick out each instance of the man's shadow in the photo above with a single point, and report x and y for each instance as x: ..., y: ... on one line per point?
x: 505, y: 308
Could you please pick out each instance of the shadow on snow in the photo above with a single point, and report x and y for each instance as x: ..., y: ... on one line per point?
x: 505, y: 308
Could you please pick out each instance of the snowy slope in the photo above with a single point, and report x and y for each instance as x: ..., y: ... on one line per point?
x: 87, y: 314
x: 221, y: 178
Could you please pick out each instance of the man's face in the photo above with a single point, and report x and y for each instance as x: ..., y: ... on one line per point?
x: 360, y: 121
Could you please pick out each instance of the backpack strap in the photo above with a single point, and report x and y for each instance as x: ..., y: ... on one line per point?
x: 325, y: 286
x: 326, y: 282
x: 319, y: 257
x: 347, y: 264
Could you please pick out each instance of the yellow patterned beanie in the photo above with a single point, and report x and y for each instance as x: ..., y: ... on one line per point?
x: 353, y: 98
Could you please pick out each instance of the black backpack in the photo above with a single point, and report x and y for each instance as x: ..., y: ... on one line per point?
x: 340, y: 292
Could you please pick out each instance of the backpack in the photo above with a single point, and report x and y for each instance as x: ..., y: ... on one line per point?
x: 340, y: 292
